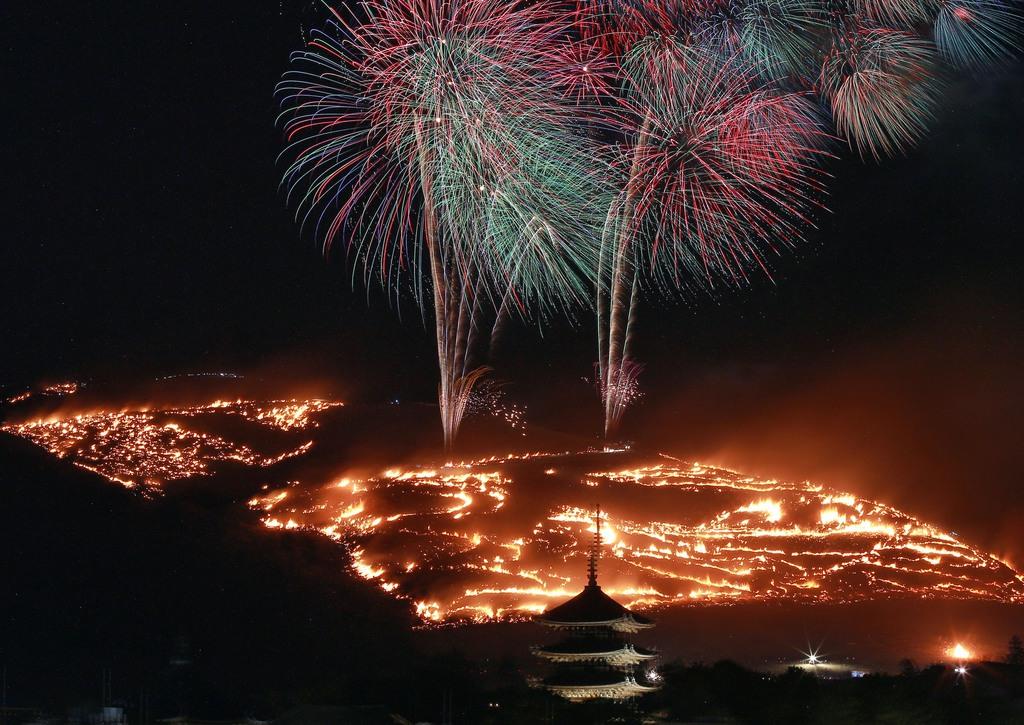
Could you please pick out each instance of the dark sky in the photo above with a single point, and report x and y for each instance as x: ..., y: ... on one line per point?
x: 145, y: 234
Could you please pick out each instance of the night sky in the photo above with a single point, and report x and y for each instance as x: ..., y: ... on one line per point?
x: 145, y: 235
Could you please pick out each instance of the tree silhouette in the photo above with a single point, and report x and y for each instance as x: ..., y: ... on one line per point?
x: 1015, y: 651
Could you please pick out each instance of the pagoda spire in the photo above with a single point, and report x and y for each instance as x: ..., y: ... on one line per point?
x: 595, y: 660
x: 595, y: 550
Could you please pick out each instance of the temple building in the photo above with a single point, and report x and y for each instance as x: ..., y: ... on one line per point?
x: 594, y: 659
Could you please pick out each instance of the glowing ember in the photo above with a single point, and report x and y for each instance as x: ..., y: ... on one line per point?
x: 51, y: 390
x: 61, y: 389
x: 282, y: 414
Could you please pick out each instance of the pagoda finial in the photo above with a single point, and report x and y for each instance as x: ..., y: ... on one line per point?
x: 595, y: 550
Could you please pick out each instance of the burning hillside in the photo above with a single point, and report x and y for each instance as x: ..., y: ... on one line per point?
x: 152, y: 447
x: 504, y: 537
x: 507, y: 538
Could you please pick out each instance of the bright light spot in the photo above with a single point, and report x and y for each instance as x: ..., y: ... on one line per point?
x: 772, y: 510
x: 812, y: 656
x: 959, y: 652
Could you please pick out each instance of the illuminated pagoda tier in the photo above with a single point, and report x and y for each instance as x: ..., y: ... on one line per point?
x: 595, y: 660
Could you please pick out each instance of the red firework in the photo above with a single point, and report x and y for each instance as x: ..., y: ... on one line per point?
x: 723, y: 168
x: 586, y: 71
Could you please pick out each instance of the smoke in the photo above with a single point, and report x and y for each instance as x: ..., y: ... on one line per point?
x: 926, y: 418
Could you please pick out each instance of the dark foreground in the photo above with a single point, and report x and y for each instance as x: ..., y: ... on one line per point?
x: 452, y: 689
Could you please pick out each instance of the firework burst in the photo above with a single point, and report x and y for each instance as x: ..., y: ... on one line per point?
x: 975, y: 33
x: 720, y: 129
x: 431, y: 136
x: 522, y: 157
x: 722, y: 166
x: 891, y: 13
x: 719, y: 168
x: 778, y: 37
x: 881, y: 87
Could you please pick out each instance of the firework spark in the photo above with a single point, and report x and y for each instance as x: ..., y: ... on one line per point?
x: 489, y: 399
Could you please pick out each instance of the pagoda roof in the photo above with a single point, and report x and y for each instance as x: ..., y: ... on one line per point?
x: 602, y: 685
x: 593, y: 608
x: 610, y: 651
x: 590, y: 645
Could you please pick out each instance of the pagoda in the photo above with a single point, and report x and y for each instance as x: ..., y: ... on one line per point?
x: 594, y: 659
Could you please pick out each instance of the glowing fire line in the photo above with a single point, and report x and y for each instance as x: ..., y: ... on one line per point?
x: 504, y: 536
x: 766, y: 547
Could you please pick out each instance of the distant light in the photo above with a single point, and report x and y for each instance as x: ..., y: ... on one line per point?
x: 811, y: 656
x: 961, y: 670
x: 653, y: 676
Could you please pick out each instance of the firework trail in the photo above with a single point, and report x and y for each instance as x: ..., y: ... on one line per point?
x: 720, y: 168
x: 718, y: 110
x: 515, y: 158
x: 436, y: 138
